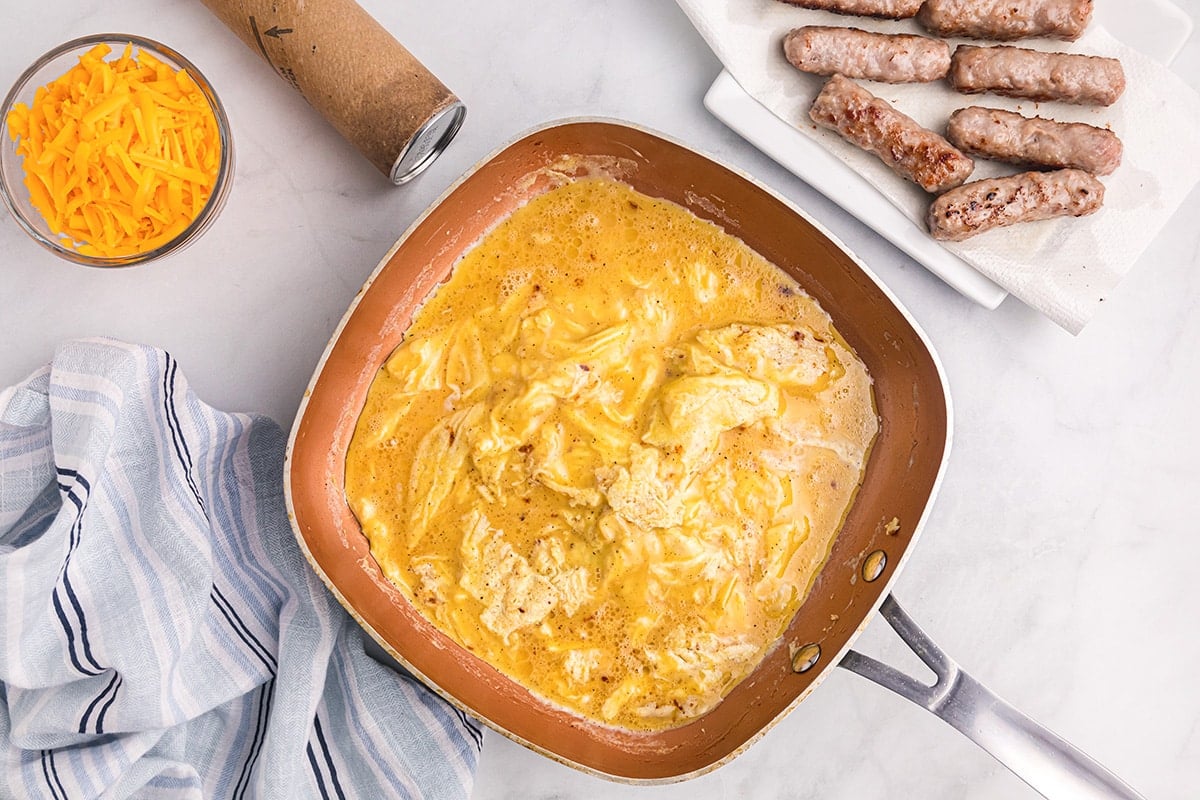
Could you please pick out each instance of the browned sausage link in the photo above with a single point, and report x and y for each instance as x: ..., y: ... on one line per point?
x: 1017, y: 72
x: 912, y: 152
x: 996, y: 202
x: 1005, y: 20
x: 872, y: 56
x: 1034, y: 142
x: 885, y: 9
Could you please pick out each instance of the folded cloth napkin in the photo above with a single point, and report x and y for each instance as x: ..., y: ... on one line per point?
x: 161, y: 636
x: 1063, y: 268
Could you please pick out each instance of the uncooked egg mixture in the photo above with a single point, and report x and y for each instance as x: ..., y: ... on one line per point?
x: 612, y: 453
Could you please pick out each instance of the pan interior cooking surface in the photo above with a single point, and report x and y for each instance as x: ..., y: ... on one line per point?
x: 903, y: 467
x: 612, y: 453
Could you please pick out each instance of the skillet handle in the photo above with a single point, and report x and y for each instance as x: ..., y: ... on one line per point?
x: 1052, y: 766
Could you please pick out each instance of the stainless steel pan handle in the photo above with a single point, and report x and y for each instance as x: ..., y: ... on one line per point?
x: 1048, y: 763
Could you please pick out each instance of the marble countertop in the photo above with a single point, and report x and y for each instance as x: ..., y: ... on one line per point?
x: 1058, y: 563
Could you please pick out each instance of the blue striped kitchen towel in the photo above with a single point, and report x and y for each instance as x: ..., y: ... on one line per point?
x: 160, y: 635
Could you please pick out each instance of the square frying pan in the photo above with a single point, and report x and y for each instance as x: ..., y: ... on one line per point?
x: 901, y: 478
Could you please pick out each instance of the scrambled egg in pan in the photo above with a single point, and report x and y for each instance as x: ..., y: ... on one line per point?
x: 612, y: 454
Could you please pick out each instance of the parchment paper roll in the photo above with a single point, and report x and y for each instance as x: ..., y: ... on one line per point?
x: 351, y: 70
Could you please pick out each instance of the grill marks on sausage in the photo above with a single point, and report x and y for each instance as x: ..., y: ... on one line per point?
x: 855, y: 53
x: 911, y: 151
x: 999, y: 202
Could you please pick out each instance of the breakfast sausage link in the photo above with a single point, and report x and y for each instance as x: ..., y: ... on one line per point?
x: 1034, y: 142
x: 1005, y: 20
x: 856, y: 53
x: 912, y: 152
x: 1032, y: 74
x: 884, y: 9
x: 996, y: 202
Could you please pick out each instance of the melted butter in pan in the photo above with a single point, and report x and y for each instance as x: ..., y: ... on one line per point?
x: 612, y: 454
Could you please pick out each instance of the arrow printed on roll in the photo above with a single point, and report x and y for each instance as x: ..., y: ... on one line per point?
x: 349, y: 68
x: 283, y: 70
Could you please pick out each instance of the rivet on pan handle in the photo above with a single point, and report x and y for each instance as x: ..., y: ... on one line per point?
x: 1048, y: 763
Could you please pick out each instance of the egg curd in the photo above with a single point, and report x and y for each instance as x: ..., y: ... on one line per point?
x: 612, y: 453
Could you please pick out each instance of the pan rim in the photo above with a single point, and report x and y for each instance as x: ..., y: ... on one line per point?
x: 889, y: 581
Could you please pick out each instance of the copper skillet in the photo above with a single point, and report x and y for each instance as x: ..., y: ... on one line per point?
x: 902, y: 477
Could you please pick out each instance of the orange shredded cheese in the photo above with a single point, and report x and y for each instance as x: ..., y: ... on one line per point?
x: 120, y: 156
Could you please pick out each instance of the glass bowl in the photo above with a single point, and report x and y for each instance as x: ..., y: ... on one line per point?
x: 50, y: 67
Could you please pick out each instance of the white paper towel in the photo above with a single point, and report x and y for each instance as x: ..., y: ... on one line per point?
x: 1064, y: 268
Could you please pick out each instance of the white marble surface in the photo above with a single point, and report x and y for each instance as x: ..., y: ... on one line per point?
x: 1059, y: 562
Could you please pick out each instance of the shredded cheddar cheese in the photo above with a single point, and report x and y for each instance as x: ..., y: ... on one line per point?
x: 119, y: 156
